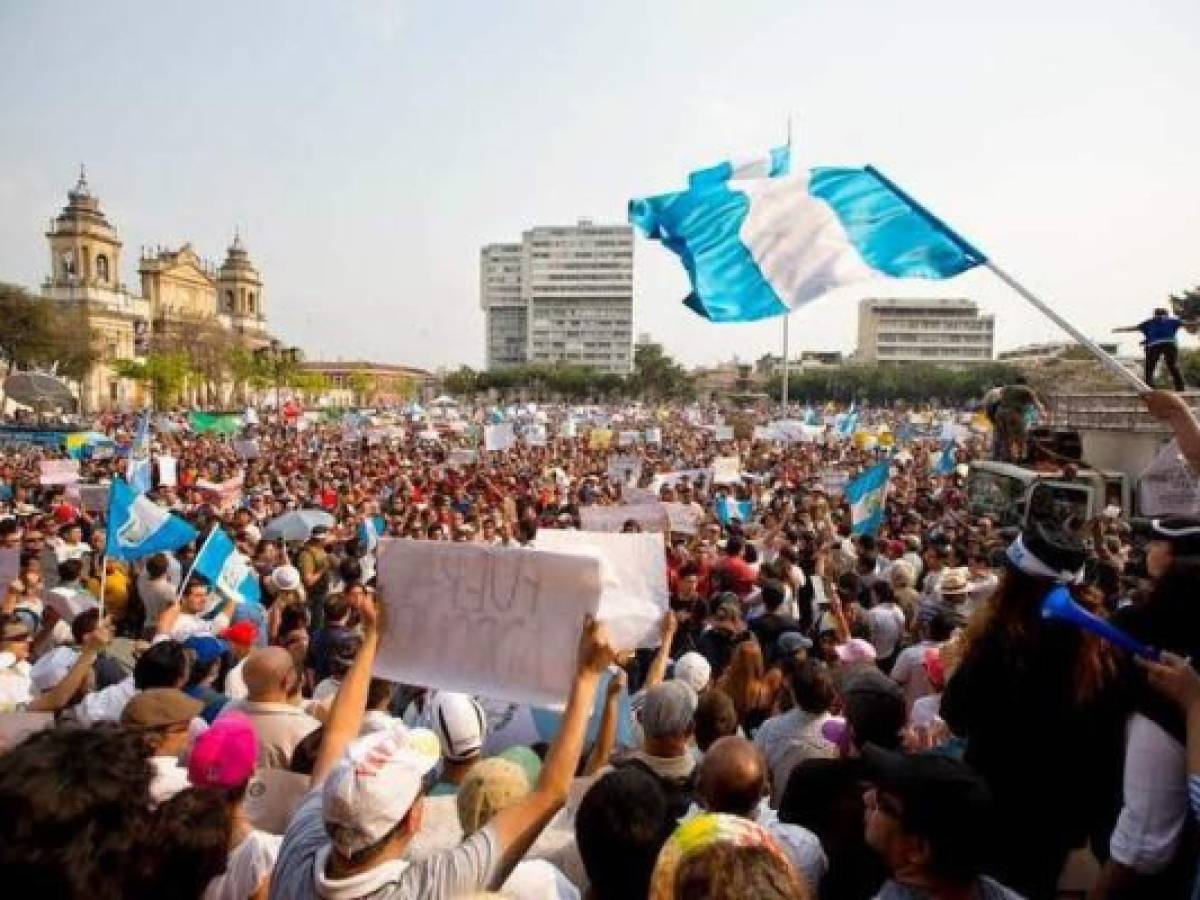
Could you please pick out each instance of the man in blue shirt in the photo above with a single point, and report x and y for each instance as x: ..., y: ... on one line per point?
x: 1158, y: 333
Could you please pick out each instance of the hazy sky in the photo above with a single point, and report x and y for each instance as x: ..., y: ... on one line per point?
x: 368, y: 149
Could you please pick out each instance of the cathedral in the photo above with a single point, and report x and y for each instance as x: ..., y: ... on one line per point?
x: 181, y: 299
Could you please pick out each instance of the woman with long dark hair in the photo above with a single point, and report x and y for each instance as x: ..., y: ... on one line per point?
x: 1036, y: 701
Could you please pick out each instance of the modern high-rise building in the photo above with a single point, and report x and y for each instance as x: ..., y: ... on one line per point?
x: 572, y: 302
x: 944, y: 332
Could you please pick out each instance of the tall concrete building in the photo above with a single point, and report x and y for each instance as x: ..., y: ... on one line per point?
x: 944, y: 332
x: 575, y: 290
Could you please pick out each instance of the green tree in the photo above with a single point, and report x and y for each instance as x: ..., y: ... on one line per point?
x: 36, y: 333
x: 164, y: 373
x: 656, y: 376
x: 463, y: 383
x: 361, y: 385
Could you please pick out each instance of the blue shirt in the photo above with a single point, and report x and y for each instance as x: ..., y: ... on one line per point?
x: 1160, y: 329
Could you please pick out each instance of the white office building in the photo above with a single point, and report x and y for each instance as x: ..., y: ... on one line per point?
x: 944, y: 332
x: 575, y: 289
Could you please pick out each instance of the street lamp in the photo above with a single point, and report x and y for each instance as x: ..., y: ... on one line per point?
x: 277, y: 359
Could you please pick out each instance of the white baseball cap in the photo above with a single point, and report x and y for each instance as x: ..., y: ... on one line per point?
x: 52, y: 668
x: 375, y: 785
x: 693, y: 670
x: 460, y: 725
x: 286, y: 578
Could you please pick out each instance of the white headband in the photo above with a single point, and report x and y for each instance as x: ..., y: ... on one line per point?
x: 1024, y: 560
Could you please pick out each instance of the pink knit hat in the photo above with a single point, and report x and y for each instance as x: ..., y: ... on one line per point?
x: 224, y: 756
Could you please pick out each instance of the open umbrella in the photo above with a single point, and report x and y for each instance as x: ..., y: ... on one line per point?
x: 296, y: 525
x: 37, y: 389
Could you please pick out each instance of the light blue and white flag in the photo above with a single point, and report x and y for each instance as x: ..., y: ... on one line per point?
x: 772, y: 164
x: 763, y: 247
x: 368, y: 536
x: 729, y: 508
x: 947, y: 460
x: 227, y: 569
x: 848, y: 424
x: 865, y: 494
x: 139, y: 527
x: 139, y: 456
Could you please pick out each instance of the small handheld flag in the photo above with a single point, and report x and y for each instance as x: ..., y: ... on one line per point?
x: 227, y: 569
x: 866, y: 495
x: 729, y: 509
x: 139, y: 527
x: 948, y: 460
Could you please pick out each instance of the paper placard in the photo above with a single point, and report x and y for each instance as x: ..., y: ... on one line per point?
x: 726, y: 470
x: 684, y: 518
x: 461, y: 456
x: 167, y: 467
x: 499, y: 621
x: 625, y: 469
x: 498, y: 437
x: 58, y: 471
x: 223, y: 494
x: 651, y: 516
x: 653, y: 435
x: 628, y: 438
x: 93, y: 497
x: 633, y: 593
x: 724, y: 433
x: 1169, y: 487
x: 599, y: 439
x: 246, y: 449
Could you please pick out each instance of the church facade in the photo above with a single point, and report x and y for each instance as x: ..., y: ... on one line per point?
x: 181, y: 301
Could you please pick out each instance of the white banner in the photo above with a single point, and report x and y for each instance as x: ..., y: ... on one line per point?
x: 684, y: 518
x: 1169, y: 487
x: 499, y: 621
x: 498, y: 437
x: 58, y: 471
x: 633, y: 593
x: 726, y: 470
x: 651, y: 516
x: 166, y: 471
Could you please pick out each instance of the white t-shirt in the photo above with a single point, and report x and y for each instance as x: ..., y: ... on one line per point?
x: 1155, y: 807
x: 249, y: 863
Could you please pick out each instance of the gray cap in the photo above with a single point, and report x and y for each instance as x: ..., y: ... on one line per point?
x: 668, y: 709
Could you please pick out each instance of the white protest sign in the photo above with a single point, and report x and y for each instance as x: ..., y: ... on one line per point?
x: 671, y: 479
x: 635, y: 496
x: 93, y: 497
x: 462, y: 457
x: 536, y: 436
x: 1169, y: 487
x: 58, y: 471
x: 726, y: 470
x: 568, y: 428
x: 834, y: 482
x: 246, y: 449
x: 499, y: 621
x: 498, y: 437
x: 653, y: 435
x: 633, y: 593
x: 684, y: 518
x: 628, y: 438
x: 624, y: 469
x: 762, y: 433
x: 167, y: 471
x: 650, y: 516
x: 724, y: 433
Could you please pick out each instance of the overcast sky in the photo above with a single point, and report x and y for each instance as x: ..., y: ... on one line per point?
x: 368, y: 149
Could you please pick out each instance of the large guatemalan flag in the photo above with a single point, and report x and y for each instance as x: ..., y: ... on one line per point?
x: 139, y: 527
x: 767, y: 244
x: 866, y: 495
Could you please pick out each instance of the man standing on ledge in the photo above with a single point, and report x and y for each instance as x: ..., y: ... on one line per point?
x: 1158, y: 333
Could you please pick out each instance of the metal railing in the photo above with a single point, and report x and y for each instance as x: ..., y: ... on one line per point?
x: 1107, y: 412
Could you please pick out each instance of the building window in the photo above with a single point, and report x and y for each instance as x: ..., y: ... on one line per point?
x: 102, y: 268
x: 68, y: 264
x: 229, y: 301
x: 250, y: 302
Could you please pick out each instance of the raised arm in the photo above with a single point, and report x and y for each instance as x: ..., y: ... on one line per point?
x: 350, y: 703
x: 517, y: 827
x: 1169, y: 407
x: 658, y: 666
x: 607, y: 736
x: 60, y: 695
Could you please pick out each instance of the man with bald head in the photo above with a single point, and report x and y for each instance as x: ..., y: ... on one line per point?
x: 733, y: 780
x: 272, y: 686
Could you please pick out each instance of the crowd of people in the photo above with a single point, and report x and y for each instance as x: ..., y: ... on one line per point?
x: 830, y: 712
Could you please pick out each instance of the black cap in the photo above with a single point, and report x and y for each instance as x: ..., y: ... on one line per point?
x: 944, y: 801
x: 1181, y: 532
x: 1058, y: 549
x: 874, y: 706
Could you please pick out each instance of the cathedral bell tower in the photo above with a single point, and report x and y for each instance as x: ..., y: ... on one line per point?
x: 239, y: 290
x: 85, y: 252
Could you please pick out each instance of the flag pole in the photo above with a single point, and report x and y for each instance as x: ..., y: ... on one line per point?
x: 787, y: 313
x: 103, y: 581
x: 1102, y: 356
x: 195, y: 559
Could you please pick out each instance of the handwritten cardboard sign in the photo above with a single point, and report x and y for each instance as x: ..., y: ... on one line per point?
x: 726, y: 470
x: 499, y: 621
x: 1169, y: 487
x: 498, y: 437
x: 684, y: 518
x: 58, y: 471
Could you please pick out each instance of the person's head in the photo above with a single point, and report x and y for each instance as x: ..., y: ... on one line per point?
x: 224, y: 756
x: 270, y: 675
x: 337, y: 609
x: 874, y: 708
x: 774, y: 592
x: 812, y: 687
x: 56, y: 786
x: 69, y: 571
x: 928, y: 817
x: 622, y: 822
x: 195, y: 597
x: 163, y: 665
x: 492, y: 785
x: 206, y: 653
x: 733, y: 777
x: 743, y: 679
x: 372, y: 800
x: 460, y: 725
x: 693, y: 670
x: 193, y: 831
x: 715, y: 718
x: 723, y: 857
x: 241, y: 638
x: 157, y: 566
x: 162, y: 716
x: 1160, y: 312
x: 16, y: 637
x: 667, y: 718
x: 1170, y: 539
x: 954, y: 586
x: 735, y: 546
